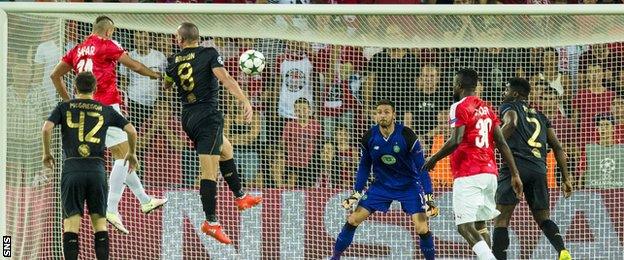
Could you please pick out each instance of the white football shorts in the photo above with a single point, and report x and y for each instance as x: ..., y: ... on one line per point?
x: 115, y: 135
x: 473, y: 198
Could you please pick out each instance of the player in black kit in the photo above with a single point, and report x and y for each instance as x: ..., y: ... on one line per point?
x: 83, y: 127
x: 196, y: 71
x: 529, y: 135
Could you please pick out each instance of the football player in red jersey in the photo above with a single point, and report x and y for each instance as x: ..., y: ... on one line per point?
x: 99, y: 54
x: 473, y: 164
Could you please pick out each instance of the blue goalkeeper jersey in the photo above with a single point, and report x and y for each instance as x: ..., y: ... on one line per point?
x: 395, y: 162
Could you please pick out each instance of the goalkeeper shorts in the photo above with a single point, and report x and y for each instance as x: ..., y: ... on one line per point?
x: 378, y: 198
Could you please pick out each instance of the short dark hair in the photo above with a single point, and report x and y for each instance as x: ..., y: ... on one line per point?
x: 520, y: 85
x: 387, y: 102
x: 302, y: 100
x: 468, y: 78
x: 102, y: 18
x: 85, y: 82
x: 188, y: 32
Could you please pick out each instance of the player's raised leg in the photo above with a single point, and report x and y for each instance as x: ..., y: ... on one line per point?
x: 120, y: 177
x: 345, y: 237
x: 427, y: 246
x: 208, y: 193
x: 228, y: 169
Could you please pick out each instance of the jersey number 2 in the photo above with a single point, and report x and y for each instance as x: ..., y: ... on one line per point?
x: 532, y: 141
x: 483, y: 125
x: 80, y: 125
x: 85, y: 65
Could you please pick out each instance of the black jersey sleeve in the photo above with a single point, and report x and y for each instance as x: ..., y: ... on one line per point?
x: 115, y: 119
x: 214, y: 59
x: 57, y: 114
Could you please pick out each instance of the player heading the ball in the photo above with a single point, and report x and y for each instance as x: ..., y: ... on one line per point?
x: 196, y: 72
x: 392, y: 151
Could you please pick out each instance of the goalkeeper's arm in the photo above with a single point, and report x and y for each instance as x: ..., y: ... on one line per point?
x: 362, y: 174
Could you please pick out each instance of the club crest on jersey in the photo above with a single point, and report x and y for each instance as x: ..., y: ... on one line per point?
x: 388, y: 159
x: 396, y: 148
x: 84, y: 150
x: 364, y: 197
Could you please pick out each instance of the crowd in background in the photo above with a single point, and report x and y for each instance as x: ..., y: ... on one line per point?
x: 313, y: 102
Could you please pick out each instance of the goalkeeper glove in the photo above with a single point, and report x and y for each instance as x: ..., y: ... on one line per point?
x: 352, y: 200
x: 430, y: 206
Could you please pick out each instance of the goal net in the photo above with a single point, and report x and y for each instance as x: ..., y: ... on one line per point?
x: 338, y: 60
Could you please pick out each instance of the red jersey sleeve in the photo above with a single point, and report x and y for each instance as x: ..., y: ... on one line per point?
x: 457, y: 115
x: 114, y: 50
x: 69, y: 57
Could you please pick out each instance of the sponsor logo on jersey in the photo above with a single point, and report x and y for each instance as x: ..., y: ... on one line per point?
x: 388, y: 159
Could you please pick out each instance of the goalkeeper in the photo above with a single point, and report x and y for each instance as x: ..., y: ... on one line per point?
x: 392, y: 151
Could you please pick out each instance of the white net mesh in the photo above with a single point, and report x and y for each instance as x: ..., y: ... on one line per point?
x: 304, y: 168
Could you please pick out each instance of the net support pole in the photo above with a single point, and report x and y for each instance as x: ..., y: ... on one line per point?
x: 3, y: 118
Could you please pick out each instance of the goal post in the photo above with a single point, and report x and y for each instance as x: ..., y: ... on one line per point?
x: 337, y: 60
x: 3, y: 121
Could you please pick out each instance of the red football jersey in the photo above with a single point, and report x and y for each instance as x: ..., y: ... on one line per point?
x: 99, y: 56
x: 475, y: 154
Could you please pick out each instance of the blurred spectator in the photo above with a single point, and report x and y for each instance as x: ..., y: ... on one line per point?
x: 569, y: 62
x: 556, y: 80
x: 327, y: 169
x: 390, y: 74
x: 495, y: 66
x: 427, y: 102
x: 594, y: 100
x: 301, y: 140
x: 347, y: 158
x: 168, y: 151
x: 598, y: 54
x: 142, y: 92
x: 26, y: 103
x: 341, y: 99
x: 617, y: 107
x: 46, y: 57
x: 243, y: 137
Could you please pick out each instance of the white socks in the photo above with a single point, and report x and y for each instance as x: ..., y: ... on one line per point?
x: 116, y: 185
x: 134, y: 183
x: 483, y: 251
x: 118, y: 180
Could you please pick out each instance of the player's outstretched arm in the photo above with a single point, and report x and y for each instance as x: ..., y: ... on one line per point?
x: 502, y: 146
x: 510, y: 122
x: 59, y: 71
x: 46, y: 132
x: 425, y: 180
x: 139, y: 67
x: 562, y: 162
x: 232, y: 86
x: 449, y: 147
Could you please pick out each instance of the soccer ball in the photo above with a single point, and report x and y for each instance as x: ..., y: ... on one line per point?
x: 251, y: 62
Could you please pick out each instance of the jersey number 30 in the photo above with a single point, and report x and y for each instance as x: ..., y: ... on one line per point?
x: 483, y: 125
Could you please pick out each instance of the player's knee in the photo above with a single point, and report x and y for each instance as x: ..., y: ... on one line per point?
x: 72, y: 224
x: 98, y: 222
x: 355, y: 220
x: 540, y: 216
